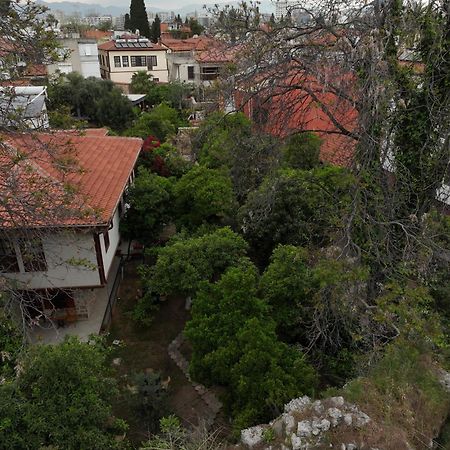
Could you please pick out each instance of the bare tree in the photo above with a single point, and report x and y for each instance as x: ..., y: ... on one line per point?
x: 36, y: 188
x: 371, y: 78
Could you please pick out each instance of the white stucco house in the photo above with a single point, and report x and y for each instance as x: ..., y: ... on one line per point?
x: 120, y: 59
x: 59, y: 221
x: 77, y: 55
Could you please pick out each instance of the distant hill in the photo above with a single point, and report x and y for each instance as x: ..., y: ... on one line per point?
x: 70, y: 8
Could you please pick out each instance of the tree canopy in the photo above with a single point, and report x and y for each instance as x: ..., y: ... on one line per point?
x: 235, y: 345
x: 296, y: 207
x: 203, y: 195
x: 185, y: 262
x: 138, y: 18
x: 61, y: 398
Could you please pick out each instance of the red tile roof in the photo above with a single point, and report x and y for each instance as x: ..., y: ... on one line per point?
x: 97, y: 34
x: 291, y: 110
x: 190, y: 44
x: 99, y: 169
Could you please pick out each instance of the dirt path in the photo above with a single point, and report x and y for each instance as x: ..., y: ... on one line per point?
x: 146, y: 348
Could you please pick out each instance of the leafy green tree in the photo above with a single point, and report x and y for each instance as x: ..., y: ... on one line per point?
x: 173, y: 93
x: 218, y: 135
x: 296, y: 207
x: 235, y: 345
x: 61, y: 398
x: 150, y: 200
x: 11, y: 344
x: 114, y: 110
x: 63, y: 119
x: 302, y: 151
x: 287, y: 286
x: 268, y: 374
x: 229, y: 141
x: 161, y: 122
x: 138, y: 18
x: 203, y: 195
x: 185, y: 262
x: 90, y: 98
x: 141, y: 82
x: 105, y: 26
x: 175, y: 164
x: 195, y: 27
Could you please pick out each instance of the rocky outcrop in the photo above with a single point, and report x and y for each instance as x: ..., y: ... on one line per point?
x: 306, y: 425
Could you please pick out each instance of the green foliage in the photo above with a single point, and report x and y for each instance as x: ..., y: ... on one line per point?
x: 60, y: 399
x: 302, y: 151
x: 313, y: 302
x: 141, y: 82
x: 228, y: 141
x: 97, y: 100
x: 203, y: 195
x: 176, y: 164
x: 235, y: 345
x: 402, y: 390
x: 63, y: 119
x: 161, y: 122
x: 174, y: 437
x: 286, y: 284
x: 145, y: 309
x: 150, y: 200
x: 195, y: 27
x: 269, y: 435
x: 172, y: 93
x: 296, y: 207
x: 151, y: 397
x: 217, y: 136
x: 156, y: 29
x: 11, y: 343
x: 114, y: 110
x: 184, y: 263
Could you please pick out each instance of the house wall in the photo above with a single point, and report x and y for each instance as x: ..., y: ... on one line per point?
x: 82, y: 57
x: 123, y: 75
x: 114, y: 239
x: 71, y: 262
x: 178, y: 63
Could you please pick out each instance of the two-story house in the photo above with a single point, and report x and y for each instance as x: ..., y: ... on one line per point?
x: 120, y: 59
x: 77, y: 55
x: 62, y: 201
x: 196, y: 60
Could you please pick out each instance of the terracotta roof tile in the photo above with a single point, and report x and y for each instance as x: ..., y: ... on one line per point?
x: 101, y: 168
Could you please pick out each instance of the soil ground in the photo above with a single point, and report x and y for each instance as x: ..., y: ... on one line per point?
x: 145, y: 348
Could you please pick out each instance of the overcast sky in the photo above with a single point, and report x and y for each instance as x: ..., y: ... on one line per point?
x: 163, y: 4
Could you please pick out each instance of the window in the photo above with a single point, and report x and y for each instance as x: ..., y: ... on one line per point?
x: 117, y: 61
x: 33, y: 255
x: 8, y: 258
x: 151, y: 61
x: 156, y: 80
x: 125, y: 62
x: 106, y: 240
x: 138, y: 61
x: 191, y: 75
x: 209, y: 73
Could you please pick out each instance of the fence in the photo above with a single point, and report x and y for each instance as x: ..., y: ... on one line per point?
x: 112, y: 298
